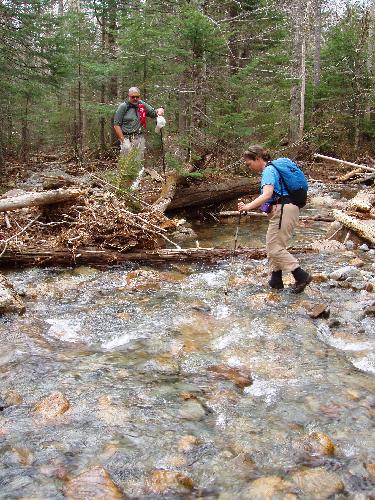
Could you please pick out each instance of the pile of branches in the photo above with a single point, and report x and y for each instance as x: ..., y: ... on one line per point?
x: 99, y: 220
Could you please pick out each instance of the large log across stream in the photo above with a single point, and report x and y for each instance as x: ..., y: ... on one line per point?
x: 208, y: 194
x: 96, y: 257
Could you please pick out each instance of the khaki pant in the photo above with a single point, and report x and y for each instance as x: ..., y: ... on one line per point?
x: 135, y: 141
x: 277, y: 239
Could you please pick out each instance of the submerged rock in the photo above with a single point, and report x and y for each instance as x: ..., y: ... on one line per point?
x: 241, y: 377
x: 95, y: 484
x: 187, y: 443
x: 318, y: 483
x: 192, y: 410
x: 371, y: 470
x: 162, y: 481
x: 316, y: 444
x: 52, y: 406
x: 10, y: 301
x: 266, y: 488
x: 12, y: 398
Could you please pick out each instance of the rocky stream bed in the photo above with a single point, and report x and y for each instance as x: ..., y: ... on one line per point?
x: 139, y: 382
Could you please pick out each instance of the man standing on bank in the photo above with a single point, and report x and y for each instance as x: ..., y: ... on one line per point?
x: 284, y: 189
x: 130, y: 121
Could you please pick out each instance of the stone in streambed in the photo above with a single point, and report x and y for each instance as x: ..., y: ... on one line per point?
x: 93, y: 484
x: 12, y: 398
x: 187, y: 443
x: 318, y: 483
x: 241, y: 377
x: 371, y: 470
x: 52, y: 406
x: 315, y: 311
x: 10, y: 301
x: 344, y: 273
x: 162, y: 481
x: 192, y: 410
x: 316, y: 444
x: 267, y: 488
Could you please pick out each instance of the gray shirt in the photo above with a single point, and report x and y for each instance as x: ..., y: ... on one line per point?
x: 127, y: 117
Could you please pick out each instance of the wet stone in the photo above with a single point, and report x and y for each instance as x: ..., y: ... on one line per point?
x: 188, y: 443
x: 52, y: 406
x: 12, y: 398
x: 192, y: 410
x: 317, y: 310
x: 162, y: 481
x: 267, y: 488
x: 10, y: 302
x: 318, y: 483
x: 371, y: 470
x: 95, y: 483
x: 316, y: 444
x: 344, y: 273
x: 241, y: 377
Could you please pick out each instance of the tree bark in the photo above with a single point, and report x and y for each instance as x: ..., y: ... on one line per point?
x: 370, y: 60
x: 298, y: 73
x: 97, y: 257
x: 363, y: 228
x: 38, y: 199
x: 208, y: 194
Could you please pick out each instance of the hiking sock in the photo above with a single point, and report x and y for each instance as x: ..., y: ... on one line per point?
x: 302, y: 278
x: 276, y: 280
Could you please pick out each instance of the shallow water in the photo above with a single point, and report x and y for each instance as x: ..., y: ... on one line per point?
x: 131, y: 351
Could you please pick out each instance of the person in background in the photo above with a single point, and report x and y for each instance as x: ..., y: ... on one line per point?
x: 282, y: 212
x: 130, y: 122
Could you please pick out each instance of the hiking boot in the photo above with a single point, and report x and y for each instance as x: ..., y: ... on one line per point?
x: 302, y: 278
x: 276, y: 280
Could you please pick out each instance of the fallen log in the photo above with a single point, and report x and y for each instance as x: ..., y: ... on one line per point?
x: 49, y: 257
x: 364, y: 229
x: 260, y: 215
x: 39, y: 199
x: 343, y: 162
x: 209, y: 194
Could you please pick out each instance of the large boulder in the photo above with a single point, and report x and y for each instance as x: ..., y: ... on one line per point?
x: 10, y: 301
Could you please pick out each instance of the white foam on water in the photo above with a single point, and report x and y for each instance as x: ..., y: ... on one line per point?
x: 64, y: 329
x: 120, y: 341
x: 324, y: 334
x: 269, y: 390
x: 221, y: 311
x: 231, y: 338
x: 210, y: 279
x: 365, y: 364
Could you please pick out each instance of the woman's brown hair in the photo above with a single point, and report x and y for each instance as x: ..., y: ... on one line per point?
x: 255, y: 152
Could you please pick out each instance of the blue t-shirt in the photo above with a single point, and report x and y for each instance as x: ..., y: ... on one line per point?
x: 271, y: 177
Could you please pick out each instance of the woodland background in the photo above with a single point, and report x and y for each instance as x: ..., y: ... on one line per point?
x: 227, y: 72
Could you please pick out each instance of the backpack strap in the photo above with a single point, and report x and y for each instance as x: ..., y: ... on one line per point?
x: 282, y: 184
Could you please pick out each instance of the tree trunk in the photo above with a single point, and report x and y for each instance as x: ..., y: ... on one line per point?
x: 370, y: 61
x: 97, y: 257
x: 317, y: 41
x: 209, y: 194
x: 25, y: 132
x: 298, y: 73
x: 38, y: 199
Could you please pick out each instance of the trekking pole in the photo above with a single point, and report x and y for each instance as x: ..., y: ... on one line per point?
x: 226, y: 289
x: 163, y: 154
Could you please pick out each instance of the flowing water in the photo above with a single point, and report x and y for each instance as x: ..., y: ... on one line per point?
x: 141, y: 355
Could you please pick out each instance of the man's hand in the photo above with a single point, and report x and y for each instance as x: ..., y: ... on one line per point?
x: 160, y: 111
